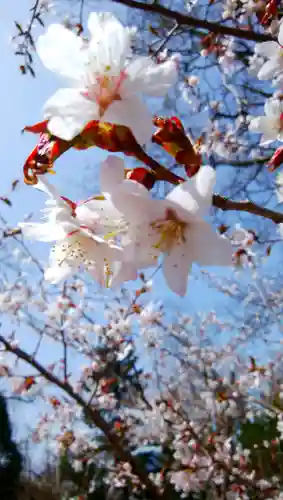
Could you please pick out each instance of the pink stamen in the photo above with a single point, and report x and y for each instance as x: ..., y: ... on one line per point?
x: 105, y: 90
x: 71, y: 204
x: 71, y: 233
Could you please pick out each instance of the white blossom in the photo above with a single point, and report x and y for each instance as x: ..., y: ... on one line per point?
x: 107, y: 79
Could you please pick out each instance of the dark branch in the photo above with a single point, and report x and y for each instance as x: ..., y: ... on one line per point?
x: 185, y: 20
x: 246, y: 206
x: 94, y: 415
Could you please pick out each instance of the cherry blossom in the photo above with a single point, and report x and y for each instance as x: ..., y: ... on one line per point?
x: 270, y: 125
x: 173, y: 227
x: 107, y: 79
x: 78, y: 231
x: 272, y: 52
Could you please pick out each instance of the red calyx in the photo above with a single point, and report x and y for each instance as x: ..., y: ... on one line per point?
x: 142, y: 176
x: 276, y: 159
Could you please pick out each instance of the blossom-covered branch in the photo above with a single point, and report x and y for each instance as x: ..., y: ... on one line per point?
x: 93, y: 414
x: 186, y: 20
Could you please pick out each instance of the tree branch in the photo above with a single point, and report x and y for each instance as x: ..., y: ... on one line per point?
x: 225, y: 204
x: 246, y: 206
x: 185, y: 20
x: 95, y: 416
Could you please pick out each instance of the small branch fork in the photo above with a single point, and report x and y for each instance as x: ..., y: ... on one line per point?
x: 193, y: 22
x: 98, y: 420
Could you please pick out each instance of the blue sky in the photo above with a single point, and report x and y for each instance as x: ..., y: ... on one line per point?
x: 22, y: 98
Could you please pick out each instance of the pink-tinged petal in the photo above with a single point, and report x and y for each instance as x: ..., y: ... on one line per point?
x: 134, y: 114
x: 122, y: 272
x: 142, y: 248
x: 208, y: 248
x: 62, y: 51
x: 112, y: 173
x: 149, y: 78
x: 111, y: 252
x: 68, y: 112
x: 134, y: 202
x: 176, y: 268
x: 268, y: 70
x: 97, y: 213
x: 195, y: 195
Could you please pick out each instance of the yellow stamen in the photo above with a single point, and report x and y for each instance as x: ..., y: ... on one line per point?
x: 108, y: 273
x: 172, y: 231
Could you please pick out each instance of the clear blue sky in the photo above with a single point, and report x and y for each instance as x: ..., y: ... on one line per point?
x: 22, y: 98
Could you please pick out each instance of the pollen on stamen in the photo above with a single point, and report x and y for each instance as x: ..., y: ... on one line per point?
x: 171, y: 231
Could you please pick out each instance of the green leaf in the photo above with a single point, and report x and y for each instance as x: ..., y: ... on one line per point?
x: 6, y: 201
x: 19, y: 28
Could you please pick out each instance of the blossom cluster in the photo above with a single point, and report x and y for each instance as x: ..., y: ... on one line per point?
x: 123, y: 229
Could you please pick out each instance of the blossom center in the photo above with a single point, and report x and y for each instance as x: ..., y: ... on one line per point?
x: 76, y: 248
x: 171, y: 231
x: 104, y: 88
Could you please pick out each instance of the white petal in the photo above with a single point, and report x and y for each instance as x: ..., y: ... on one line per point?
x: 111, y: 252
x: 135, y: 203
x: 204, y: 182
x: 280, y: 35
x: 255, y: 124
x: 142, y: 248
x: 68, y: 112
x: 268, y: 70
x: 149, y: 78
x: 176, y: 267
x: 195, y: 195
x: 273, y: 107
x: 49, y: 189
x: 266, y: 126
x: 110, y: 44
x: 111, y: 173
x: 97, y: 213
x: 43, y: 232
x: 62, y: 51
x: 208, y: 247
x: 267, y: 49
x: 85, y: 216
x: 122, y: 272
x: 55, y: 273
x: 132, y: 113
x: 268, y: 136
